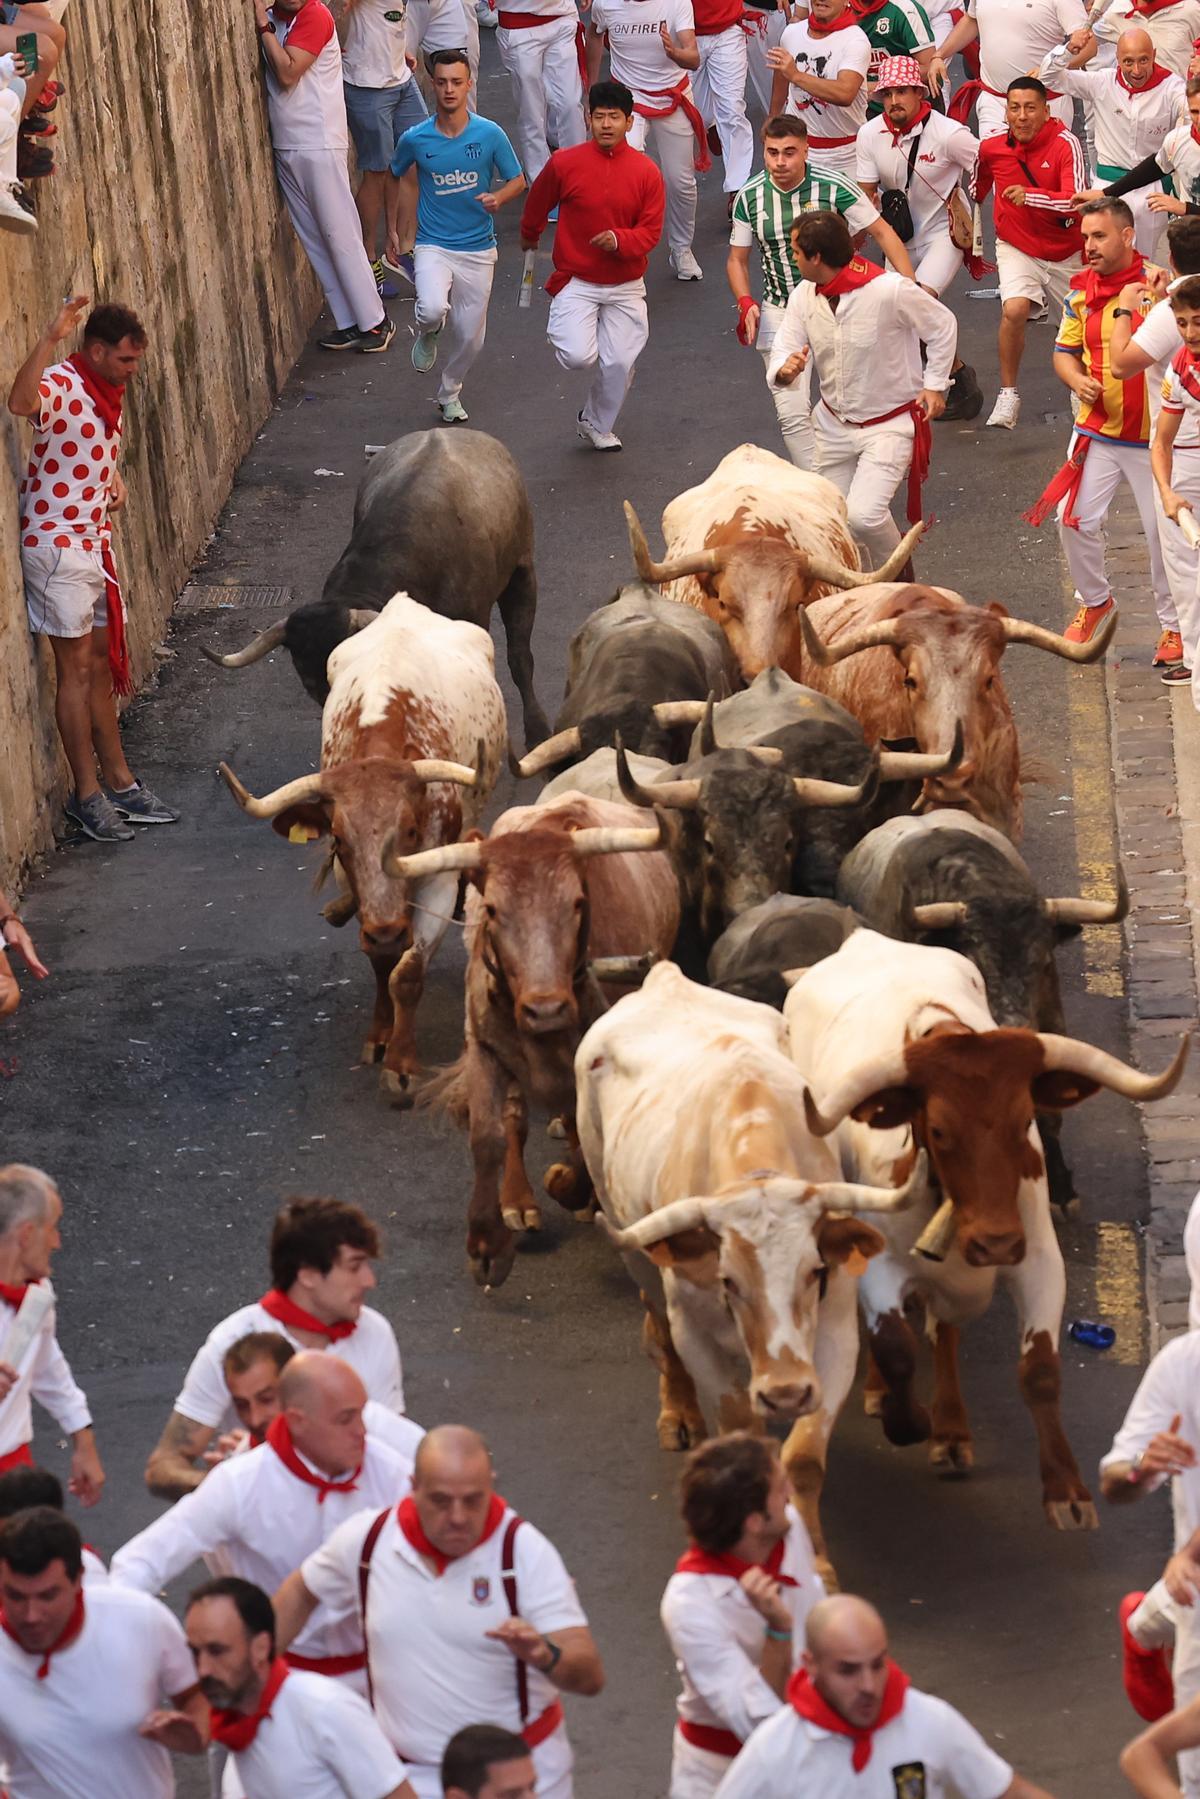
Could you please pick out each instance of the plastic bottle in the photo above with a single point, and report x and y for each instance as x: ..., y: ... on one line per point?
x: 1096, y: 1336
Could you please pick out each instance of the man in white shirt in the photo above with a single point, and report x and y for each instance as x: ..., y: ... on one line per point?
x: 864, y: 330
x: 821, y: 70
x: 382, y: 101
x: 30, y: 1215
x: 1012, y: 41
x: 265, y: 1510
x: 1173, y: 26
x: 291, y: 1735
x: 854, y: 1727
x: 469, y: 1614
x: 652, y: 49
x: 735, y: 1605
x: 97, y: 1688
x: 320, y: 1262
x: 484, y: 1762
x: 539, y: 46
x: 23, y: 1488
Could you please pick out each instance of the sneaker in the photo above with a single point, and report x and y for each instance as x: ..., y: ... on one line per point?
x: 13, y: 215
x: 404, y: 266
x: 378, y: 338
x: 685, y: 266
x: 1175, y: 674
x: 1007, y: 409
x: 453, y: 412
x: 1146, y: 1673
x: 34, y: 161
x: 965, y: 399
x: 140, y: 806
x: 1037, y: 315
x: 38, y: 125
x: 424, y: 351
x: 98, y: 819
x: 345, y: 339
x: 1087, y: 621
x: 1168, y: 649
x: 486, y: 16
x: 599, y: 440
x: 383, y: 285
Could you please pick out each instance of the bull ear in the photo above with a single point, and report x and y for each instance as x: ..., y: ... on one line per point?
x: 1055, y: 1091
x: 843, y: 1242
x: 890, y: 1107
x: 687, y: 1252
x: 309, y: 821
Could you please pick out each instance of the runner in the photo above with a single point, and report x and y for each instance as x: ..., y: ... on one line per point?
x: 821, y: 69
x: 539, y: 46
x: 1012, y: 41
x: 720, y: 86
x: 1179, y: 492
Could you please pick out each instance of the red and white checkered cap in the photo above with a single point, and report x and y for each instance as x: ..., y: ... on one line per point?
x: 899, y: 71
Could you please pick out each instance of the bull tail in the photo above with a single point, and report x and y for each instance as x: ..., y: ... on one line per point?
x: 446, y: 1092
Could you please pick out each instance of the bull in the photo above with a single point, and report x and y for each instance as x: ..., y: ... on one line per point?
x: 443, y: 516
x: 750, y: 958
x: 413, y: 735
x: 905, y: 1057
x: 597, y: 777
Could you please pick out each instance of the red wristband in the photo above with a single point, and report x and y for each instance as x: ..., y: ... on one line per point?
x: 746, y: 303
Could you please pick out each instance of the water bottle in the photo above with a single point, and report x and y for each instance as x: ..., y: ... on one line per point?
x: 1096, y: 1336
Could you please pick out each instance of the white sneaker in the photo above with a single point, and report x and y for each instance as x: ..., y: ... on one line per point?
x: 599, y: 440
x: 685, y: 266
x: 486, y: 16
x: 1007, y: 409
x: 1038, y: 314
x: 13, y: 216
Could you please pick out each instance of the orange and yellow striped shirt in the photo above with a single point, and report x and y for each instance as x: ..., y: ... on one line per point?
x: 1122, y: 413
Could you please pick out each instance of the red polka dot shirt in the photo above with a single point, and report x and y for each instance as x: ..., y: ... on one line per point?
x: 66, y: 492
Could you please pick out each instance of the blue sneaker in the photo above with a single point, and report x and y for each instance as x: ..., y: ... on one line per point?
x: 404, y: 266
x: 552, y: 218
x: 386, y: 289
x: 139, y: 806
x: 98, y: 819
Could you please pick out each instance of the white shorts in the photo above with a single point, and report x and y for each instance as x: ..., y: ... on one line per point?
x: 1025, y: 277
x: 65, y: 590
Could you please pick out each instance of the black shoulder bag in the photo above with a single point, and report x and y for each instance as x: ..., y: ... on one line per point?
x: 893, y: 201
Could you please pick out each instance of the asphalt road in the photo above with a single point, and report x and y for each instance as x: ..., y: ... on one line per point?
x: 195, y: 1057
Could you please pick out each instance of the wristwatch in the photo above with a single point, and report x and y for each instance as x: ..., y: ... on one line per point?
x: 555, y: 1655
x: 1122, y: 312
x: 262, y: 30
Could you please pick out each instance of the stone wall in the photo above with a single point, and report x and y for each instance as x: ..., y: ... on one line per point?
x: 165, y: 200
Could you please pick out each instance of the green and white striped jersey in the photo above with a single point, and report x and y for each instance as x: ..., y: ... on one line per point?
x: 898, y: 28
x: 764, y: 215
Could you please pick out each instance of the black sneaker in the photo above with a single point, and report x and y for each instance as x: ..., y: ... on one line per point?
x: 1175, y: 674
x: 372, y: 342
x: 98, y: 819
x: 345, y: 339
x: 965, y: 399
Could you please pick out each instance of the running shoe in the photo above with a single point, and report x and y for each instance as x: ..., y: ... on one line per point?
x: 424, y: 351
x: 453, y: 412
x: 139, y: 806
x: 404, y: 266
x: 13, y: 215
x: 384, y: 287
x: 378, y: 338
x: 965, y: 399
x: 599, y: 440
x: 345, y: 339
x: 98, y: 818
x: 1087, y: 621
x: 1146, y: 1673
x: 1176, y: 674
x: 1007, y: 409
x: 1168, y: 649
x: 685, y: 266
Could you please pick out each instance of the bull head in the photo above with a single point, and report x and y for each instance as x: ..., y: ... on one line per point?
x: 684, y: 795
x: 811, y: 564
x: 1068, y: 913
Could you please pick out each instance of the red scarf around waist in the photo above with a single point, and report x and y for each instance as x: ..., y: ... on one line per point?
x: 1062, y: 486
x: 1157, y: 76
x: 279, y: 1438
x: 13, y: 1293
x: 805, y: 1699
x: 1098, y: 289
x: 843, y: 22
x: 409, y: 1520
x: 277, y: 1305
x: 107, y: 397
x: 913, y: 124
x: 65, y: 1638
x: 237, y: 1730
x: 677, y: 97
x: 699, y: 1561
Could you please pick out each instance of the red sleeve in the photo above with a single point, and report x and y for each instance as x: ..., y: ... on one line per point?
x: 313, y: 28
x: 640, y: 239
x: 540, y: 201
x: 981, y: 181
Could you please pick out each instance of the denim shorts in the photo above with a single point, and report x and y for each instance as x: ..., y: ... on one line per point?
x: 8, y: 11
x: 377, y: 117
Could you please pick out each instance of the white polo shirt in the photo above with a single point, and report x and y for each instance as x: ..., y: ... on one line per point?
x: 945, y: 153
x: 1169, y: 1387
x: 433, y: 1668
x: 312, y: 114
x: 44, y: 1374
x: 929, y: 1742
x: 828, y: 57
x: 1014, y: 35
x: 321, y: 1741
x: 717, y: 1638
x: 264, y: 1521
x: 76, y: 1731
x: 370, y: 1349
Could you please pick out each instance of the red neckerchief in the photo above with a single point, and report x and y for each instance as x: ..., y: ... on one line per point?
x: 106, y: 396
x: 279, y: 1438
x: 14, y: 1293
x: 857, y: 272
x: 805, y: 1699
x: 1157, y: 76
x: 1146, y: 9
x: 277, y: 1305
x: 1185, y: 367
x: 237, y: 1730
x: 1195, y: 135
x: 409, y: 1520
x: 843, y: 22
x: 66, y: 1636
x: 699, y: 1561
x: 1098, y: 290
x: 865, y: 9
x: 913, y: 124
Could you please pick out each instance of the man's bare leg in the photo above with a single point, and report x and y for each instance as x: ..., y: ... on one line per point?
x: 105, y: 731
x: 73, y: 708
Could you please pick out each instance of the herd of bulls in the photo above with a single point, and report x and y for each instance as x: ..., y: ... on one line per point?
x: 764, y: 946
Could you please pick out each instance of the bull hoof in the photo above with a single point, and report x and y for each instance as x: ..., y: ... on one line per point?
x: 1071, y: 1514
x: 400, y: 1088
x: 675, y: 1432
x: 1071, y: 1208
x: 872, y: 1403
x: 904, y: 1425
x: 951, y: 1457
x: 531, y: 1218
x: 491, y: 1271
x: 513, y: 1220
x: 557, y: 1129
x: 561, y: 1181
x: 372, y: 1052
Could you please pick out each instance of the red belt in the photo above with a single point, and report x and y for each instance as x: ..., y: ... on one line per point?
x: 707, y: 1736
x: 830, y: 143
x: 330, y: 1665
x: 676, y: 98
x: 16, y: 1458
x: 922, y: 449
x: 524, y: 21
x: 539, y: 1729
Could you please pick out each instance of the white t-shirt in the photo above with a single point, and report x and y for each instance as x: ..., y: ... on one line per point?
x: 828, y: 57
x: 1170, y: 1387
x: 45, y: 1375
x: 1015, y: 35
x: 312, y: 114
x: 929, y: 1740
x: 635, y: 51
x: 76, y: 1731
x: 321, y: 1741
x: 373, y: 53
x: 946, y: 153
x: 370, y: 1350
x: 1179, y: 155
x: 1158, y: 336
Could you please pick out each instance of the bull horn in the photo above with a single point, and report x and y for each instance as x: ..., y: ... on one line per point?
x: 681, y: 794
x: 696, y: 562
x: 1020, y: 630
x: 885, y: 631
x: 450, y: 857
x: 293, y: 793
x: 263, y: 644
x: 433, y: 770
x: 678, y: 712
x: 1069, y: 1056
x: 708, y: 730
x: 935, y: 1240
x: 680, y: 1215
x: 849, y: 1196
x: 765, y: 753
x: 812, y: 792
x: 938, y: 915
x: 911, y: 765
x: 867, y: 1078
x: 836, y: 574
x: 622, y: 968
x: 1085, y: 911
x: 559, y: 748
x: 615, y: 840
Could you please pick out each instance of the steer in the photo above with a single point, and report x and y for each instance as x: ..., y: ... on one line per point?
x: 445, y: 517
x: 786, y: 932
x: 551, y: 888
x: 730, y: 1214
x: 412, y: 738
x: 751, y: 546
x: 914, y: 662
x: 904, y: 1056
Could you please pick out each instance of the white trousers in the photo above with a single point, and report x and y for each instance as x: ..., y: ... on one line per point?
x: 719, y: 85
x: 543, y: 67
x: 793, y: 405
x: 990, y: 118
x: 453, y: 289
x: 867, y: 463
x: 1183, y: 577
x: 935, y: 256
x: 1159, y: 1623
x: 673, y: 142
x: 316, y: 187
x: 604, y: 328
x: 10, y: 119
x: 841, y: 161
x: 757, y: 46
x: 1107, y: 465
x: 695, y: 1773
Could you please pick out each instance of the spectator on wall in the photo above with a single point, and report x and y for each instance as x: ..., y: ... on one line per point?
x: 382, y: 101
x: 15, y: 214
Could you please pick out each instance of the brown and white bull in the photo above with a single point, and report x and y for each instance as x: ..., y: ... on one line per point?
x: 553, y: 890
x: 751, y: 546
x: 730, y: 1213
x: 903, y: 1056
x: 413, y: 735
x: 912, y: 661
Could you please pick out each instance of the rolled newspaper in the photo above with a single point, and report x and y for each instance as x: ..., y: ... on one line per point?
x: 977, y: 233
x: 1190, y: 528
x: 525, y: 296
x: 27, y: 1323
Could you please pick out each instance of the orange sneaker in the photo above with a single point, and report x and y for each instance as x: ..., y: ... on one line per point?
x: 1169, y: 649
x: 1087, y: 621
x: 1146, y: 1673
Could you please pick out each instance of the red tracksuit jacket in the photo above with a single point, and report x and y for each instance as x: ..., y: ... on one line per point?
x: 1044, y: 226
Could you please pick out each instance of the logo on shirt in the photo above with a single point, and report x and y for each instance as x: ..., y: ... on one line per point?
x: 883, y: 26
x: 474, y: 151
x: 481, y: 1589
x: 455, y: 179
x: 909, y: 1778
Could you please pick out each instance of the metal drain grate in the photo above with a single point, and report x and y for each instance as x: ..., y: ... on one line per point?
x: 198, y: 598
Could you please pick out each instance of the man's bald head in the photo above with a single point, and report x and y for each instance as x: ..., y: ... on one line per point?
x: 314, y: 1381
x: 448, y: 1448
x: 321, y: 1399
x: 841, y: 1618
x: 1135, y: 42
x: 846, y: 1654
x: 1135, y: 56
x: 452, y: 1487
